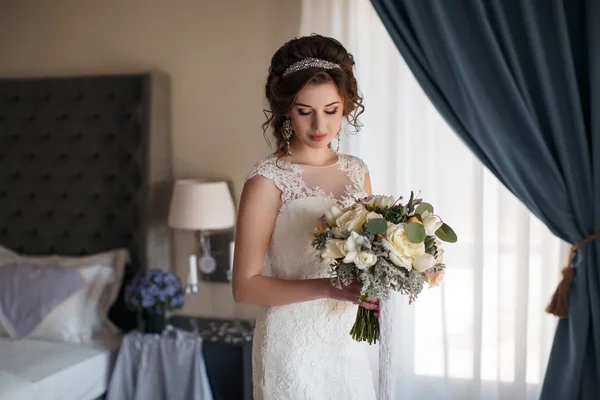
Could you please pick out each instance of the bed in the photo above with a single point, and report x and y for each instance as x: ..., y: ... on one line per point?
x: 85, y: 179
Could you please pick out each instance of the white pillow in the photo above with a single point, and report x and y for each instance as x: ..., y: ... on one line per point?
x: 7, y: 255
x: 83, y: 317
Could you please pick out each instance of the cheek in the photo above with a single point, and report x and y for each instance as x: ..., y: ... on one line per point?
x: 300, y: 124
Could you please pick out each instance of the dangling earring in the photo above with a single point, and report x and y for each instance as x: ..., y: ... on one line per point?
x: 339, y: 138
x: 288, y: 131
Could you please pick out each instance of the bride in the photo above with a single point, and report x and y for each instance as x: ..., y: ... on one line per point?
x: 302, y: 347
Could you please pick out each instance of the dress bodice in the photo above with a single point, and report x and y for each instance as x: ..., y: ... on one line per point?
x: 306, y: 193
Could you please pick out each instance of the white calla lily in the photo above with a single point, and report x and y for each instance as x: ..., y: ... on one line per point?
x: 431, y: 223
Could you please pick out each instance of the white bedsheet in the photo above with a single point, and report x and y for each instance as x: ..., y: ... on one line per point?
x: 35, y: 369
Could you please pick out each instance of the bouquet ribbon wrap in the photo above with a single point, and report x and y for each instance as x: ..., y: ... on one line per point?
x: 386, y: 324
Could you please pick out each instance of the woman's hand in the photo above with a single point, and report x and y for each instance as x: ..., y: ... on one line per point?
x: 352, y: 293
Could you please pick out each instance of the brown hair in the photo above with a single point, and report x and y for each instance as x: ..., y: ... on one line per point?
x: 281, y: 92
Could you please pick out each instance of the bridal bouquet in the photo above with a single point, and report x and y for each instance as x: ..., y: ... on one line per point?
x: 387, y: 246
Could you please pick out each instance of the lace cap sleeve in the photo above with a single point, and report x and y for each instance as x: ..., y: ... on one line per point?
x: 356, y: 169
x: 270, y: 170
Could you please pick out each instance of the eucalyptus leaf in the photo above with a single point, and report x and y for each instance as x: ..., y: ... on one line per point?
x: 446, y: 234
x: 377, y: 226
x: 424, y: 207
x: 415, y: 232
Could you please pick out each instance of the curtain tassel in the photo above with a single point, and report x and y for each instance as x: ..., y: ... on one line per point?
x: 559, y: 304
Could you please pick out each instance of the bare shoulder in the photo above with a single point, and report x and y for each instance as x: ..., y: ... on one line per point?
x: 261, y: 188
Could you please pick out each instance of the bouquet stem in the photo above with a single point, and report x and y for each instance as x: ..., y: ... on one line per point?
x: 366, y: 326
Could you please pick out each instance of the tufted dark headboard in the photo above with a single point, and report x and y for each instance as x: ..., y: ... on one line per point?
x: 85, y: 167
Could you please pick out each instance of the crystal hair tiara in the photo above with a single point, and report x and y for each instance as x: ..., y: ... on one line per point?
x: 309, y: 62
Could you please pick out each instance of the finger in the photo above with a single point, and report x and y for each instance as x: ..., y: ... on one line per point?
x: 352, y: 298
x: 376, y: 314
x: 369, y: 306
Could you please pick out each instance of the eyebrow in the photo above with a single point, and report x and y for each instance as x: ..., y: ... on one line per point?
x: 306, y: 105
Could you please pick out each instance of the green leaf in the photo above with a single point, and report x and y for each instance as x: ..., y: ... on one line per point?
x: 377, y: 226
x: 446, y: 234
x: 415, y: 232
x: 424, y: 207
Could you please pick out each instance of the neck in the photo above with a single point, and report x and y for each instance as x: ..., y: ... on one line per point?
x: 314, y: 157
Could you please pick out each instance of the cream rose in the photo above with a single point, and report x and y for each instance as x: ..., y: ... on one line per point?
x: 332, y: 215
x: 337, y: 232
x: 332, y: 249
x: 422, y: 262
x: 401, y: 250
x: 352, y: 219
x: 373, y: 215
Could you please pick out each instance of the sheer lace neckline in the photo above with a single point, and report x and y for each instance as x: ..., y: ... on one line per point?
x: 342, y: 181
x: 335, y: 163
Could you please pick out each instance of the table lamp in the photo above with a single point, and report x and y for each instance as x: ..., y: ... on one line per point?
x: 205, y: 208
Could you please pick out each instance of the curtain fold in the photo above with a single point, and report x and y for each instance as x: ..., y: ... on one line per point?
x: 482, y: 334
x: 518, y: 82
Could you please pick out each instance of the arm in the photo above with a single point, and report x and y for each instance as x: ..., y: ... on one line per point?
x: 259, y: 204
x: 368, y: 190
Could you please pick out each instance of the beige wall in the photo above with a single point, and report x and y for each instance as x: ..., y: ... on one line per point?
x: 217, y: 53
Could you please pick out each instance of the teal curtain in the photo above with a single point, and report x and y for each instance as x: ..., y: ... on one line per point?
x: 519, y: 82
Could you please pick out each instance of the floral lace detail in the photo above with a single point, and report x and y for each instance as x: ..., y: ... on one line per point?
x: 287, y: 177
x: 356, y: 169
x: 304, y: 351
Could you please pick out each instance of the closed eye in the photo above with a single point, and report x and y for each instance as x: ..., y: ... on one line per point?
x: 332, y: 112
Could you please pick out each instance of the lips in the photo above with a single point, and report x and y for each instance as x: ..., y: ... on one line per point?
x: 317, y: 138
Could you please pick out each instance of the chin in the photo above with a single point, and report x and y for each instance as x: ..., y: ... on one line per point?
x: 318, y: 145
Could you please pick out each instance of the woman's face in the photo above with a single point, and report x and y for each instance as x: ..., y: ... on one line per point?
x: 316, y: 115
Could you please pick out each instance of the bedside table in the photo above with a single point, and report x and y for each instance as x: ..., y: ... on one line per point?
x: 227, y: 349
x: 158, y: 367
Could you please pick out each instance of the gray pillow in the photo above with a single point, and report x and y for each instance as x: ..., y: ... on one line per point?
x: 29, y: 292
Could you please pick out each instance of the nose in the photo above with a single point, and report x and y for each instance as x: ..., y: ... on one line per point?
x: 319, y: 123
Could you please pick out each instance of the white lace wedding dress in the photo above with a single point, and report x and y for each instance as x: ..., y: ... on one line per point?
x: 304, y: 351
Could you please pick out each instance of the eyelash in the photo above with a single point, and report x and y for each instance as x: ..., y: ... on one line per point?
x: 326, y: 112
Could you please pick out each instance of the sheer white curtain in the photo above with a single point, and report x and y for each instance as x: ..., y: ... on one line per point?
x: 483, y: 334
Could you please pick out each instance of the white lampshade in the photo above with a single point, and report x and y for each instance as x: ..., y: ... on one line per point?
x: 201, y: 206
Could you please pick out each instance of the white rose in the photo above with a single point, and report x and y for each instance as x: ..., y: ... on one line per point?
x: 381, y: 201
x: 365, y: 260
x: 431, y: 223
x: 331, y: 215
x: 332, y: 249
x: 353, y: 219
x: 401, y: 250
x: 422, y: 262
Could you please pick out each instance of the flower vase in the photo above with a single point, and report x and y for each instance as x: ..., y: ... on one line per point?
x: 154, y: 321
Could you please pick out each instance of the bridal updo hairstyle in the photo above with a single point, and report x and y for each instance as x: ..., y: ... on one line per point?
x: 281, y: 91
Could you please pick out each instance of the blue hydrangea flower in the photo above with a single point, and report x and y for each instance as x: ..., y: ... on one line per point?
x: 155, y: 290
